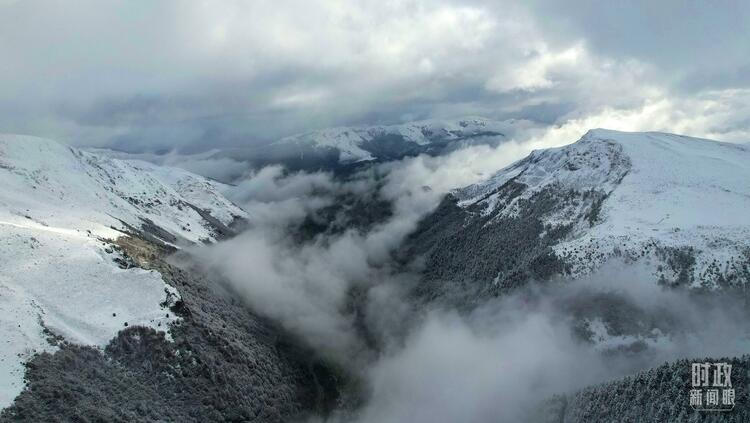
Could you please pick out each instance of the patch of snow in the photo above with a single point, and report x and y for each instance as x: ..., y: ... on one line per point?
x: 604, y: 341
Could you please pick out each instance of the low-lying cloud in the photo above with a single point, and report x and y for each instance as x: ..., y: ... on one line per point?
x: 307, y: 285
x: 502, y: 360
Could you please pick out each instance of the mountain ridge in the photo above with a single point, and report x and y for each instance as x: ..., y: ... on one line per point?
x: 676, y: 202
x: 349, y: 147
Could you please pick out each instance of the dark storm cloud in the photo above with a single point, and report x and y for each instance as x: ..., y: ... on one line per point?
x: 144, y: 76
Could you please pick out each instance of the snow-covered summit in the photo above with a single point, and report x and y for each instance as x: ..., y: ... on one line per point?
x: 625, y: 193
x: 652, y: 176
x: 61, y: 278
x: 55, y: 185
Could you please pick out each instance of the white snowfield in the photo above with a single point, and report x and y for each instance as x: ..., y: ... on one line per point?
x: 664, y: 190
x: 349, y: 140
x: 57, y: 274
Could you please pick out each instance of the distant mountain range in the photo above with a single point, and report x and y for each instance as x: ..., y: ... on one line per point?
x: 341, y: 150
x: 347, y: 147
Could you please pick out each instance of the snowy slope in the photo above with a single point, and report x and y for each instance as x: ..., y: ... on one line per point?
x: 368, y: 143
x: 58, y: 208
x: 636, y: 195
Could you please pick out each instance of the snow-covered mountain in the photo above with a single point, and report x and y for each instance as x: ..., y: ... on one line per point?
x: 351, y: 146
x: 63, y: 278
x: 676, y: 204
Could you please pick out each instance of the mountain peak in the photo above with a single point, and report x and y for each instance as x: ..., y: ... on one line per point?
x: 27, y: 148
x: 666, y: 138
x: 679, y: 201
x: 71, y: 188
x: 602, y: 133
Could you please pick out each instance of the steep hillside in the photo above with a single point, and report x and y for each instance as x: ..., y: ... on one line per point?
x: 674, y: 203
x: 218, y: 362
x: 661, y: 394
x: 88, y: 299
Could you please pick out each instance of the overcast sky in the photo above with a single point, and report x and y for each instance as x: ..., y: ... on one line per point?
x: 148, y: 76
